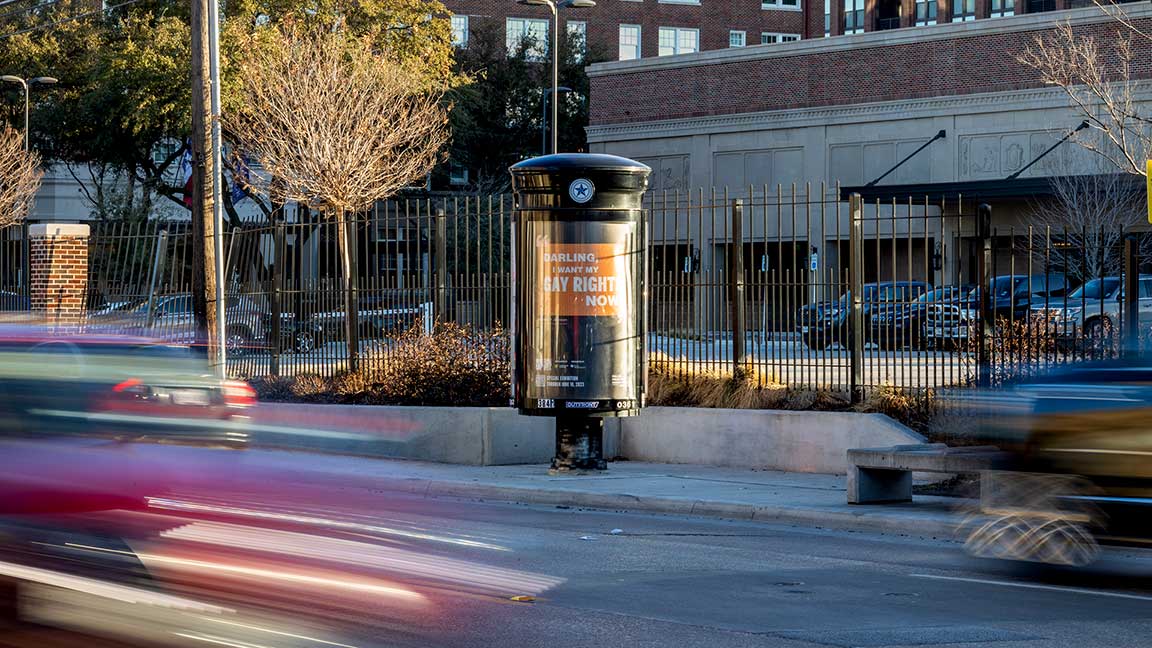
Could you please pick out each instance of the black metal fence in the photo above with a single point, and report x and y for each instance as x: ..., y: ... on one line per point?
x: 796, y: 286
x: 413, y: 263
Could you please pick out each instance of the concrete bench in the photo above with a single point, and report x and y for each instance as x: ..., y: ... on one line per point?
x: 879, y: 475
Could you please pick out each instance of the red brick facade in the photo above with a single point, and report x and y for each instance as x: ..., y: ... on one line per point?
x: 984, y: 61
x: 714, y: 19
x: 59, y: 271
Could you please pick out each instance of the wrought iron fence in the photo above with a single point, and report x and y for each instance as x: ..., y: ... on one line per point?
x: 797, y: 286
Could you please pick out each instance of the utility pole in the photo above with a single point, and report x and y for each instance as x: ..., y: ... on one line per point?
x: 204, y: 178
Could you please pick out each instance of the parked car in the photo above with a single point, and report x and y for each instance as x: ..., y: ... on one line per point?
x: 1093, y: 311
x: 822, y: 325
x: 951, y: 324
x: 170, y: 318
x: 14, y: 302
x: 902, y: 325
x: 378, y: 319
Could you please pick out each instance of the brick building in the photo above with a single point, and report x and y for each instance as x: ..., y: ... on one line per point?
x: 631, y: 29
x: 933, y: 111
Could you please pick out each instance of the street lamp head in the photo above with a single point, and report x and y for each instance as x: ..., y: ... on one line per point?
x: 8, y: 78
x: 44, y: 80
x: 578, y: 4
x: 534, y: 3
x: 563, y: 89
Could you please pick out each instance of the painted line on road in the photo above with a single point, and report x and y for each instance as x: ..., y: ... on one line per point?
x: 1035, y: 586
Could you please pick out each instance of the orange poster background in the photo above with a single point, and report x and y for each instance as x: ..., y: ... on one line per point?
x: 570, y: 286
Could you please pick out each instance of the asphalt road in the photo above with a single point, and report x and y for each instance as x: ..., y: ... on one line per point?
x: 668, y: 581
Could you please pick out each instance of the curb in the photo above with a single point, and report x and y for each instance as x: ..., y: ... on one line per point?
x: 870, y: 519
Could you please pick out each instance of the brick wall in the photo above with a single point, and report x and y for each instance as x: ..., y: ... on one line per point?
x: 877, y: 71
x: 714, y: 19
x: 59, y: 271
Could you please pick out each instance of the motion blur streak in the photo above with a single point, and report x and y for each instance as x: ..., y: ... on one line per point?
x: 177, y: 505
x: 276, y: 632
x: 219, y: 641
x: 112, y: 591
x: 198, y: 565
x: 363, y: 554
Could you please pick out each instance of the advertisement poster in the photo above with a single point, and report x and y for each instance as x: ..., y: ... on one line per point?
x: 584, y: 332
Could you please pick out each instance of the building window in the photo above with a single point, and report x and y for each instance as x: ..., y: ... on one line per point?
x: 629, y: 42
x: 854, y: 16
x: 768, y: 38
x: 963, y: 10
x: 459, y: 30
x: 827, y: 18
x: 1001, y: 8
x: 678, y: 40
x: 926, y: 12
x: 736, y: 39
x: 457, y: 175
x: 530, y: 34
x: 578, y: 39
x: 793, y: 5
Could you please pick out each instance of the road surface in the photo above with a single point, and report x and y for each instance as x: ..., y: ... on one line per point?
x: 597, y: 579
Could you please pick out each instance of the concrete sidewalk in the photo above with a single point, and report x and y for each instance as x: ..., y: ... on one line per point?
x: 802, y: 499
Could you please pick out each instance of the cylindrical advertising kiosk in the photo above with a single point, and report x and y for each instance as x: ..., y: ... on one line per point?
x: 578, y: 320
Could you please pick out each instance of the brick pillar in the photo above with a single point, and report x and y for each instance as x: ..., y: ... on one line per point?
x: 59, y: 271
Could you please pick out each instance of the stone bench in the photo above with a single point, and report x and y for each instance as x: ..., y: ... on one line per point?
x: 879, y: 475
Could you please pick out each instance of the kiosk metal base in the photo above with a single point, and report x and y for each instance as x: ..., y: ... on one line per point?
x: 579, y: 444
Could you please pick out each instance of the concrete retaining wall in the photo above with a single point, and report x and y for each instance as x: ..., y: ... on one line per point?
x: 769, y: 439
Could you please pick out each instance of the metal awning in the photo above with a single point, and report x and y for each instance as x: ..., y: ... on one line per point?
x: 978, y: 190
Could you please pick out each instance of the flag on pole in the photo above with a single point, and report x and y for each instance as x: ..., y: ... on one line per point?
x: 238, y: 191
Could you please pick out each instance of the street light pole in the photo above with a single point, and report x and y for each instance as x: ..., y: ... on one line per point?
x: 555, y: 75
x: 25, y: 88
x: 555, y: 8
x: 217, y: 180
x: 544, y: 118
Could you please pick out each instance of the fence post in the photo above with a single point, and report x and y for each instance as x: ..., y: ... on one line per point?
x: 736, y: 290
x: 1131, y: 294
x: 983, y: 270
x: 856, y: 291
x: 159, y: 256
x: 441, y: 236
x: 277, y: 286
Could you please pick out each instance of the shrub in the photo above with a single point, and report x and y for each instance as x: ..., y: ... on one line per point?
x: 678, y: 384
x: 455, y: 365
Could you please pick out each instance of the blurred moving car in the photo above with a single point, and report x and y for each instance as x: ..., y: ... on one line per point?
x: 114, y: 386
x: 1077, y: 472
x: 824, y: 324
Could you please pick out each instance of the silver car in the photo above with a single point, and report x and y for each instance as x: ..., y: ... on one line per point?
x: 1093, y: 310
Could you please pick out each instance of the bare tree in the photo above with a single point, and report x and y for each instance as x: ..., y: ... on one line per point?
x: 1081, y: 227
x: 1097, y: 77
x: 19, y: 177
x: 339, y: 124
